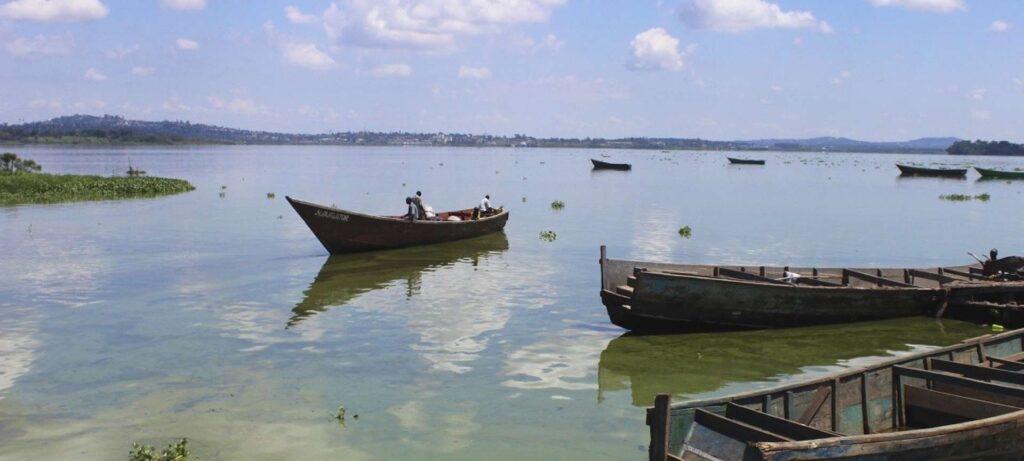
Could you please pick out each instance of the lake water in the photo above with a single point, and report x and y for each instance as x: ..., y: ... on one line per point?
x: 220, y: 318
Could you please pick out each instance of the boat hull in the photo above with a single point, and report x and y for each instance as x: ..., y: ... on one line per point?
x: 907, y: 170
x: 341, y: 231
x: 997, y: 174
x: 743, y: 161
x: 599, y: 165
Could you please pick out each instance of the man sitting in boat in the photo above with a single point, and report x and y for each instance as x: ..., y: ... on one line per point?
x: 414, y: 211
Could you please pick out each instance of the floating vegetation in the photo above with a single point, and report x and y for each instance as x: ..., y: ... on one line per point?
x: 340, y: 415
x: 984, y: 197
x: 223, y: 194
x: 685, y: 232
x: 548, y: 236
x: 176, y: 452
x: 557, y: 205
x: 18, y: 188
x: 223, y: 187
x: 271, y: 195
x: 524, y: 199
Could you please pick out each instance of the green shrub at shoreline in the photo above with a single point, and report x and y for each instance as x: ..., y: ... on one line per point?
x: 25, y: 188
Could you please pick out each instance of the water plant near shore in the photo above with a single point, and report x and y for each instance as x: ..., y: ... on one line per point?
x: 548, y: 236
x: 557, y: 205
x: 175, y: 452
x: 983, y: 197
x: 685, y: 232
x: 47, y: 188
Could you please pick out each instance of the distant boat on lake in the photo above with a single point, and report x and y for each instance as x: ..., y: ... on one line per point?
x: 744, y: 161
x: 599, y: 165
x: 343, y: 231
x: 999, y: 174
x: 908, y: 170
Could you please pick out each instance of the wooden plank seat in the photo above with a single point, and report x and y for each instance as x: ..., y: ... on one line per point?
x: 959, y: 385
x: 976, y: 371
x: 876, y: 279
x: 930, y: 408
x: 774, y: 424
x: 1004, y: 364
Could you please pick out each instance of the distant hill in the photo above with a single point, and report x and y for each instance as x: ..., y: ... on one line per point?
x: 112, y: 129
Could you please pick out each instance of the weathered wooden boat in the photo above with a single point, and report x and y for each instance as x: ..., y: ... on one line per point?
x: 648, y: 296
x: 599, y: 165
x: 999, y: 174
x: 745, y: 161
x: 908, y: 170
x: 963, y: 402
x: 343, y: 278
x: 343, y: 231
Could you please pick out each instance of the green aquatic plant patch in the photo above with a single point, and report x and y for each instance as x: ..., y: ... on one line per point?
x: 176, y: 452
x: 48, y: 188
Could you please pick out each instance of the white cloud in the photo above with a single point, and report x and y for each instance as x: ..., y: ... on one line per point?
x: 242, y: 106
x: 737, y: 16
x: 527, y: 44
x: 392, y: 70
x: 94, y: 75
x: 307, y: 55
x: 932, y: 6
x: 981, y: 115
x: 777, y: 88
x: 46, y: 103
x: 143, y: 71
x: 175, y: 105
x: 977, y: 94
x: 186, y: 44
x: 184, y: 4
x: 655, y: 49
x: 121, y: 51
x: 296, y: 16
x: 840, y: 79
x: 426, y: 24
x: 53, y: 10
x: 41, y: 45
x: 999, y: 26
x: 474, y: 72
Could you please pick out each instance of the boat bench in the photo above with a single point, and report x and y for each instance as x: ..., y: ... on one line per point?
x: 946, y: 398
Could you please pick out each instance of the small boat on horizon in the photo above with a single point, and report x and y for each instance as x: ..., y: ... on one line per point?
x: 954, y: 403
x: 744, y: 161
x: 599, y: 165
x: 909, y: 170
x: 999, y: 174
x: 344, y: 231
x: 662, y: 297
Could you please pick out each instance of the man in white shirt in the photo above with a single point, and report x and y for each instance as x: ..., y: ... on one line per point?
x: 485, y: 204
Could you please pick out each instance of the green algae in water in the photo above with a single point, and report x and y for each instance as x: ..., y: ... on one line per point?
x: 557, y: 205
x: 685, y: 232
x: 548, y: 236
x: 176, y: 452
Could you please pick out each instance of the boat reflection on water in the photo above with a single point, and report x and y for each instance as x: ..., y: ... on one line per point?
x: 343, y: 277
x: 708, y: 364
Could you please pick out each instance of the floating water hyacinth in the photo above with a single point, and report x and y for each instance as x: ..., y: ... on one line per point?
x: 685, y: 232
x: 548, y: 236
x: 557, y: 205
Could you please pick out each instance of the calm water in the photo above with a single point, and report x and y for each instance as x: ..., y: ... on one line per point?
x: 222, y: 319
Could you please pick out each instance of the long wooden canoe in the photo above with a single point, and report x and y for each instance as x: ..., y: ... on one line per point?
x: 648, y: 296
x: 745, y: 161
x: 999, y: 174
x: 599, y: 165
x: 963, y: 402
x: 343, y: 231
x: 908, y: 170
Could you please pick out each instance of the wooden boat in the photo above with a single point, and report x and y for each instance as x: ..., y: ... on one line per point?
x: 343, y: 278
x: 955, y: 403
x: 999, y: 174
x: 599, y: 165
x: 343, y: 231
x: 744, y: 161
x: 646, y: 296
x: 907, y: 170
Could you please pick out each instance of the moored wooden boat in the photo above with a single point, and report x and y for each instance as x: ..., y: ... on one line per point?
x: 599, y: 165
x: 908, y: 170
x: 999, y: 174
x: 955, y: 403
x: 343, y: 231
x: 744, y: 161
x: 648, y: 296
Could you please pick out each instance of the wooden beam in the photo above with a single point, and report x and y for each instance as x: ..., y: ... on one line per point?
x: 976, y: 372
x: 1004, y: 364
x: 816, y: 401
x: 880, y: 281
x: 990, y: 392
x: 959, y: 273
x: 735, y: 429
x: 749, y: 276
x: 942, y: 279
x: 930, y: 408
x: 659, y: 418
x: 774, y: 424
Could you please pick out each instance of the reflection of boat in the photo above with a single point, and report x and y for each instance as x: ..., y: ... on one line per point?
x: 745, y: 161
x: 344, y: 277
x: 342, y: 231
x: 674, y: 297
x: 907, y: 170
x: 701, y: 363
x: 960, y: 402
x: 599, y: 165
x: 999, y: 174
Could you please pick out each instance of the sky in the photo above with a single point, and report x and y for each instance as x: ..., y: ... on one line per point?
x: 877, y: 70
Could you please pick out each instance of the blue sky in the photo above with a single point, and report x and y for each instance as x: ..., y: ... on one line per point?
x: 715, y: 69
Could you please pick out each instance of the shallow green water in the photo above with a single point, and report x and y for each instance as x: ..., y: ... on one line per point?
x: 223, y: 320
